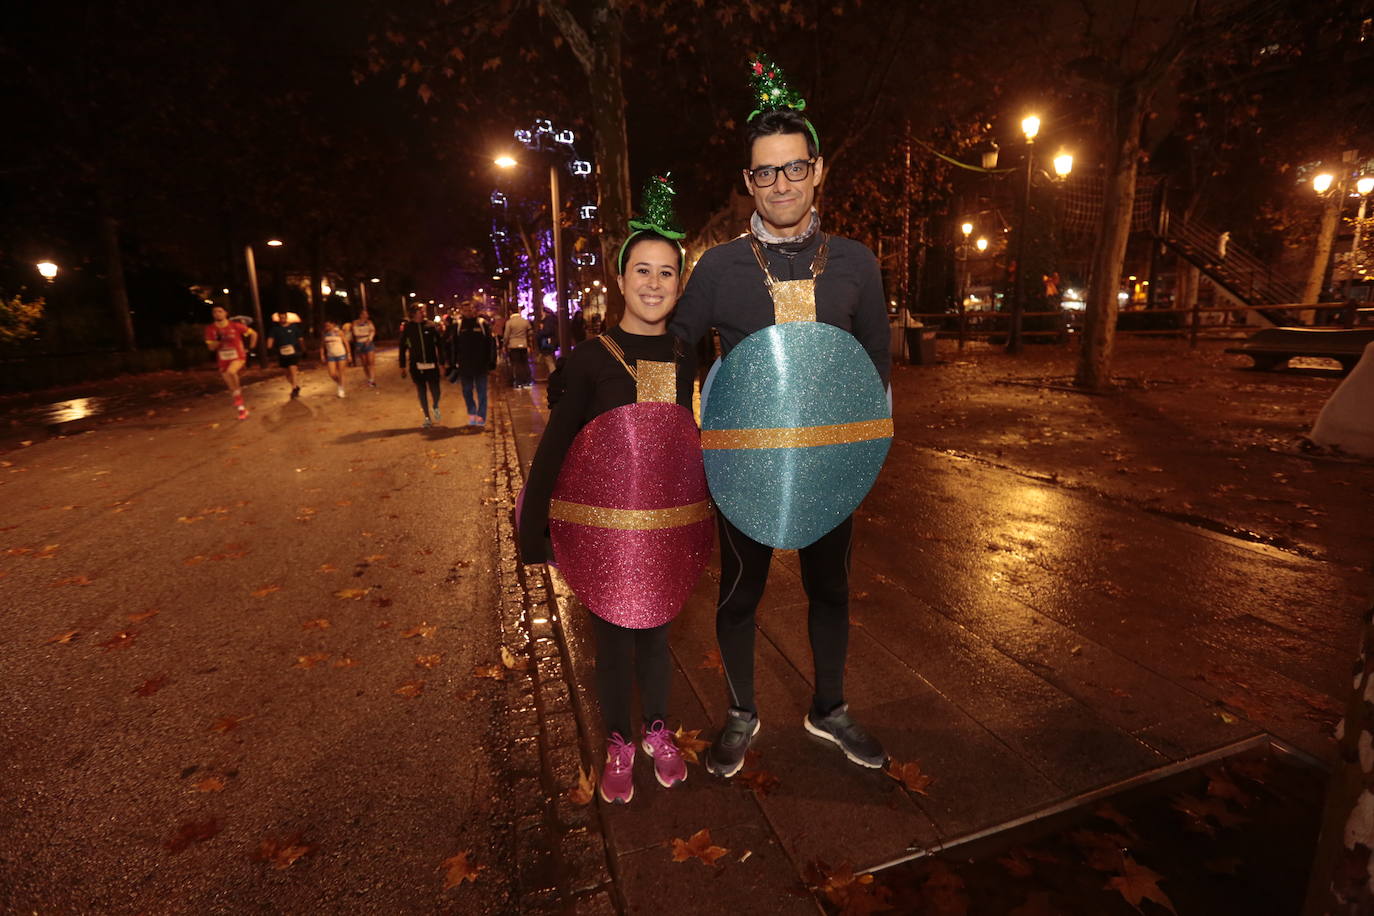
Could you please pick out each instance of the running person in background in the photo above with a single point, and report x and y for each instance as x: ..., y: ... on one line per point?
x: 286, y: 339
x: 422, y: 350
x: 365, y: 346
x: 225, y: 339
x: 517, y: 338
x: 334, y: 353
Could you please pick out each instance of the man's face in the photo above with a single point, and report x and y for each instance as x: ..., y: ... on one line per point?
x: 785, y: 205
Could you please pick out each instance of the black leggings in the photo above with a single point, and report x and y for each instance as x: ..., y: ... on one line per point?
x: 426, y: 377
x: 825, y: 576
x: 622, y: 657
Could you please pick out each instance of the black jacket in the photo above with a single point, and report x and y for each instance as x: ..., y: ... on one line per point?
x: 474, y: 349
x: 422, y: 343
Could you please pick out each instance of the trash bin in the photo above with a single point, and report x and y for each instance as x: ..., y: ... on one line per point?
x: 920, y: 345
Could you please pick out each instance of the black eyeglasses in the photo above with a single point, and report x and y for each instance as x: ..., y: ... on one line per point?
x: 765, y: 175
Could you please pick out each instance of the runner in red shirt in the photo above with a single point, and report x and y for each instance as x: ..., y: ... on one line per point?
x: 226, y: 339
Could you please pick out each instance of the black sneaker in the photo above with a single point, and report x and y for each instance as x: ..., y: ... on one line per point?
x: 838, y: 728
x: 725, y: 756
x: 296, y: 392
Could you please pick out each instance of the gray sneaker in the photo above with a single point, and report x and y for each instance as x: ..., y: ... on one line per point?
x: 838, y: 728
x: 725, y: 756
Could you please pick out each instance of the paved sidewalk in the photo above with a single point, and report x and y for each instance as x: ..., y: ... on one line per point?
x: 1028, y: 644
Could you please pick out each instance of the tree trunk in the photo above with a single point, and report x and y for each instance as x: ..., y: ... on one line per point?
x: 1340, y: 881
x: 114, y: 271
x: 1326, y: 238
x: 316, y: 296
x: 1114, y: 229
x: 598, y: 51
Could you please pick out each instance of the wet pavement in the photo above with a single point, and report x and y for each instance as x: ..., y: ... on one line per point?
x: 1030, y: 631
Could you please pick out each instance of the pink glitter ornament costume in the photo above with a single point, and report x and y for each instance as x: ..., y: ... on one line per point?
x: 617, y: 494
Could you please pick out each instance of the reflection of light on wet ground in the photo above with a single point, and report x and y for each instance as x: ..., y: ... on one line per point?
x: 75, y: 409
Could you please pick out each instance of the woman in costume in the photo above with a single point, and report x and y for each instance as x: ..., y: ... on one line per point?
x: 618, y: 491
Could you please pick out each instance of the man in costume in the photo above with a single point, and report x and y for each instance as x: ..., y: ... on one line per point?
x: 770, y: 276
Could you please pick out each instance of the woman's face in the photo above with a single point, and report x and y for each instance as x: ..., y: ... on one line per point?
x: 651, y: 284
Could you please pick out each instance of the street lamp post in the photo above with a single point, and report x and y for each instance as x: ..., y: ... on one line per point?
x: 1364, y: 185
x: 1030, y: 126
x: 253, y: 288
x: 967, y: 230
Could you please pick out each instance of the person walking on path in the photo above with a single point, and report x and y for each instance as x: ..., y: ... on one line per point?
x: 546, y: 337
x: 285, y: 338
x: 629, y: 395
x: 422, y: 351
x: 334, y: 353
x: 737, y: 288
x: 474, y: 355
x: 365, y: 346
x: 225, y: 339
x: 517, y: 337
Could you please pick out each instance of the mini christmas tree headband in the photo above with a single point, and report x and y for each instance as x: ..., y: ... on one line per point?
x: 770, y: 92
x: 658, y: 218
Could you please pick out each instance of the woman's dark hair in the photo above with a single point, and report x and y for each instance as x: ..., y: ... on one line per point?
x: 645, y: 235
x: 780, y: 121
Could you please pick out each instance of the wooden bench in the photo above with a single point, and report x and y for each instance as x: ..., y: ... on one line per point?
x: 1272, y: 348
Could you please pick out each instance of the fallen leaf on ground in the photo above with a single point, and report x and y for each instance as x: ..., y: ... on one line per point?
x: 1137, y: 883
x: 318, y: 623
x: 909, y: 775
x: 191, y: 832
x: 311, y: 660
x: 410, y: 689
x: 428, y: 661
x: 63, y: 638
x: 495, y: 672
x: 513, y: 663
x: 943, y: 892
x: 711, y: 661
x: 698, y: 847
x: 282, y: 852
x: 581, y: 794
x: 344, y: 662
x: 689, y: 744
x: 1016, y: 864
x: 846, y: 890
x: 211, y: 784
x: 459, y: 868
x: 424, y: 631
x: 194, y: 561
x: 351, y: 594
x: 141, y: 617
x: 327, y: 567
x: 73, y: 580
x: 152, y: 686
x: 374, y: 558
x: 226, y: 724
x: 121, y: 640
x: 265, y: 591
x: 761, y: 781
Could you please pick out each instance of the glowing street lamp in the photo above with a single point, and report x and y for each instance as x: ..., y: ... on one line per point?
x: 275, y: 243
x: 1030, y: 126
x: 981, y: 244
x: 1063, y: 164
x: 1322, y: 183
x: 325, y: 288
x: 375, y: 280
x: 1365, y: 185
x: 47, y: 270
x: 506, y: 162
x: 966, y: 229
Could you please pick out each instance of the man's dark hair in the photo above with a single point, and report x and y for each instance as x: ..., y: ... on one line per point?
x: 779, y: 121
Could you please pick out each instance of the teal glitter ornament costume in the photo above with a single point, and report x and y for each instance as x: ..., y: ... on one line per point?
x: 658, y: 217
x: 771, y: 92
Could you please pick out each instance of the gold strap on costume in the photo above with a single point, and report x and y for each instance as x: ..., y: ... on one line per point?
x: 798, y: 436
x: 629, y: 519
x: 655, y: 381
x: 793, y: 300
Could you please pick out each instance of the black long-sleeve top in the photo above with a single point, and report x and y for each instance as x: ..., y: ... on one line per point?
x: 726, y: 291
x: 596, y: 383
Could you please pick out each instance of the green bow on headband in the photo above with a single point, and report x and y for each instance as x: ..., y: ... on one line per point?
x: 770, y: 91
x: 658, y: 217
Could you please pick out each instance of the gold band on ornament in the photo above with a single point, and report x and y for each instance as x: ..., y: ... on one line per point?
x: 798, y: 436
x: 629, y: 519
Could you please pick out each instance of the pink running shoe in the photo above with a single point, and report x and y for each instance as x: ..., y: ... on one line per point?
x: 669, y: 767
x: 617, y: 776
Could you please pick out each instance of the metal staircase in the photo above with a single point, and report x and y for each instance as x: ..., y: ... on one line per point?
x: 1240, y: 273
